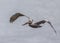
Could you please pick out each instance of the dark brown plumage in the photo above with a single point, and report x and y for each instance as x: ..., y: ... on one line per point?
x: 15, y: 16
x: 40, y: 22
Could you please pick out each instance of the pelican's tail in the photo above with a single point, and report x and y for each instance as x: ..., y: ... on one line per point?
x: 52, y: 26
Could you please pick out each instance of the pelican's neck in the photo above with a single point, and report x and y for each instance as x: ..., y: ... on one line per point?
x: 30, y: 24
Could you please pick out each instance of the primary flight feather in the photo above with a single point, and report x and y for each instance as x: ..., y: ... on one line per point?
x: 15, y: 16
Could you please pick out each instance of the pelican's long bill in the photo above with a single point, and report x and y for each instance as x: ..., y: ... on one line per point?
x: 25, y: 23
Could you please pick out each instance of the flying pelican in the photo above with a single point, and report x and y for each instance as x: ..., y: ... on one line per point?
x: 30, y: 21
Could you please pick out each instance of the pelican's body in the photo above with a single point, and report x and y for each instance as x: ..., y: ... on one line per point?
x: 38, y: 24
x: 34, y: 26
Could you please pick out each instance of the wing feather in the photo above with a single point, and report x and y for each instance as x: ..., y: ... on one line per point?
x: 52, y: 26
x: 15, y: 16
x: 40, y: 22
x: 44, y: 21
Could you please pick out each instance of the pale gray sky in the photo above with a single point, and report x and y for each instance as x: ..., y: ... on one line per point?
x: 37, y: 10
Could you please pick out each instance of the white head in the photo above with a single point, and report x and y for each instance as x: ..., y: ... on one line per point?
x: 29, y: 22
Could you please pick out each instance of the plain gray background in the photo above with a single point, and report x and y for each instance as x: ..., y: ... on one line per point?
x: 35, y: 9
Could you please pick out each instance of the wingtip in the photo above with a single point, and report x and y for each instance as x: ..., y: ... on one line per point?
x: 11, y: 21
x: 52, y: 27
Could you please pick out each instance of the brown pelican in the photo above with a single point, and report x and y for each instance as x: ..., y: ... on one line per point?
x: 30, y: 21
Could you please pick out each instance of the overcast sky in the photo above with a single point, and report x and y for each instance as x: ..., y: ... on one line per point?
x: 35, y: 9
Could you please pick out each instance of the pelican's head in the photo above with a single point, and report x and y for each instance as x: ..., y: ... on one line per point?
x: 29, y: 22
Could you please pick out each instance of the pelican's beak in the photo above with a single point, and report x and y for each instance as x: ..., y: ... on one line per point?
x: 25, y: 23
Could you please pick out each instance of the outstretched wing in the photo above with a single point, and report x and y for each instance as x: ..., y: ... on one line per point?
x: 15, y: 16
x: 44, y: 21
x: 40, y: 22
x: 52, y: 26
